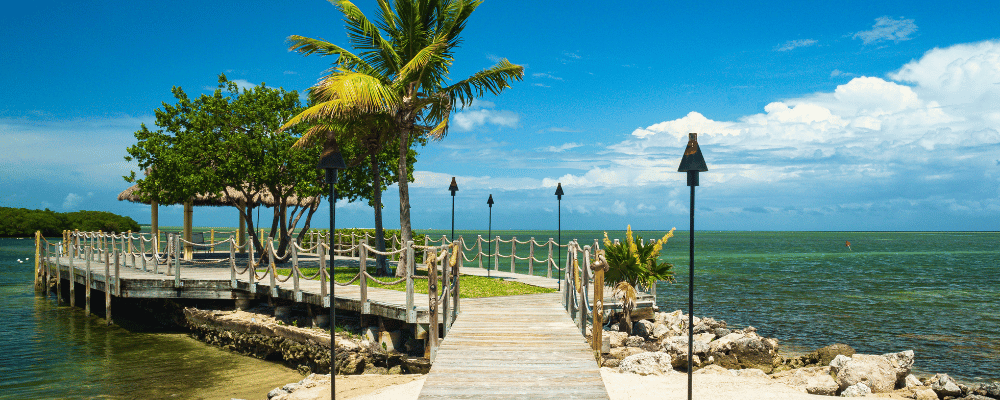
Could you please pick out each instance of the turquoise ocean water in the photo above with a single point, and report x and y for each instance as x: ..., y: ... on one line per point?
x: 934, y: 292
x: 937, y: 293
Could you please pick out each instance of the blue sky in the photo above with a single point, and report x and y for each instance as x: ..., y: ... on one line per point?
x: 837, y: 116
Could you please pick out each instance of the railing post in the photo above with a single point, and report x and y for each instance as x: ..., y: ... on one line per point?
x: 432, y: 316
x: 584, y: 280
x: 411, y: 312
x: 295, y: 272
x: 72, y: 278
x: 531, y: 256
x: 457, y: 274
x: 446, y: 287
x: 363, y: 278
x: 212, y: 241
x: 177, y: 262
x: 496, y: 254
x: 274, y: 271
x: 323, y: 287
x: 232, y: 262
x: 479, y: 250
x: 549, y: 261
x: 598, y: 328
x: 513, y: 252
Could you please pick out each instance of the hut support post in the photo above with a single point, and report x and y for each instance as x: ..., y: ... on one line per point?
x: 241, y: 236
x: 188, y: 214
x: 154, y: 224
x: 411, y: 314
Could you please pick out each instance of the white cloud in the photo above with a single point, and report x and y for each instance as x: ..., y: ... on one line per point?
x: 546, y: 75
x: 837, y: 72
x: 71, y: 202
x: 868, y: 127
x: 562, y: 148
x: 793, y: 44
x: 480, y: 113
x: 886, y: 28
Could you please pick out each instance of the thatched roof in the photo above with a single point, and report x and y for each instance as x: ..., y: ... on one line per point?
x: 203, y: 199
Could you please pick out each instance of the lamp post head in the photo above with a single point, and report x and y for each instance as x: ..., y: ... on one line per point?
x: 331, y: 161
x: 454, y: 187
x: 692, y: 162
x: 490, y: 201
x: 559, y: 191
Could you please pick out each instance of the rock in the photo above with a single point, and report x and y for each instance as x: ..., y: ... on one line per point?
x: 990, y: 389
x: 750, y: 373
x: 291, y: 387
x: 659, y: 330
x: 856, y: 390
x: 611, y: 362
x: 828, y: 353
x: 634, y: 341
x: 976, y: 397
x: 713, y: 370
x: 876, y: 372
x: 276, y: 392
x: 616, y: 338
x: 724, y: 344
x: 651, y: 363
x: 912, y: 382
x: 727, y: 361
x: 924, y: 393
x: 704, y: 337
x: 813, y: 380
x: 624, y: 352
x: 943, y: 385
x: 902, y: 362
x: 756, y: 352
x: 720, y: 332
x: 643, y: 329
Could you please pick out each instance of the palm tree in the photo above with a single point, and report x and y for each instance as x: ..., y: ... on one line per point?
x: 400, y: 71
x: 634, y: 264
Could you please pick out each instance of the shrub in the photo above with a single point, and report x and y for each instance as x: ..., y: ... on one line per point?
x: 633, y: 264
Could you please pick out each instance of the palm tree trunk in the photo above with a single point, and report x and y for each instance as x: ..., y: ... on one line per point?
x: 381, y: 265
x: 404, y: 195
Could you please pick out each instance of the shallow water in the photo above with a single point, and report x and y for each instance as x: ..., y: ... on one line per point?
x: 50, y: 351
x: 934, y: 292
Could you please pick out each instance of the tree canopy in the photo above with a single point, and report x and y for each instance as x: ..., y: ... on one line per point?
x: 228, y: 144
x: 399, y: 72
x: 22, y: 222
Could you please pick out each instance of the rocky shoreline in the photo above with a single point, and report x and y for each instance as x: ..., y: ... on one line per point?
x: 258, y: 333
x: 659, y: 345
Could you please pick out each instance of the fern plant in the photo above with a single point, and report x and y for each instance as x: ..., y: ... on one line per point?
x: 633, y: 264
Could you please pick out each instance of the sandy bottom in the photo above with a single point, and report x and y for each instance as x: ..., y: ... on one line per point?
x: 620, y: 387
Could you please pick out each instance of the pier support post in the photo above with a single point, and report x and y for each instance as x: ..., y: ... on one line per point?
x: 86, y: 291
x: 38, y: 255
x: 107, y: 288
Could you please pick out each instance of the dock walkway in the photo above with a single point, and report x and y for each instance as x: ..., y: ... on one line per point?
x: 516, y: 347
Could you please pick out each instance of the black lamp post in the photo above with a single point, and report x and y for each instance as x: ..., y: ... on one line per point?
x: 453, y: 188
x: 559, y: 195
x: 692, y: 163
x: 331, y: 161
x: 489, y: 236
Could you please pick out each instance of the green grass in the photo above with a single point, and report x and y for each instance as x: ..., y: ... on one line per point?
x: 470, y: 286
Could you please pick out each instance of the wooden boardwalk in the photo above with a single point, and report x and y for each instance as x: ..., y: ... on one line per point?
x: 516, y: 347
x: 214, y: 281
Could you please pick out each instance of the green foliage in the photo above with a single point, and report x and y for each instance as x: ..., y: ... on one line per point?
x: 22, y: 222
x: 396, y: 81
x: 230, y: 139
x: 636, y: 263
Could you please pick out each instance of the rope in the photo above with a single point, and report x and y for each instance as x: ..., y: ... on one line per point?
x: 385, y: 283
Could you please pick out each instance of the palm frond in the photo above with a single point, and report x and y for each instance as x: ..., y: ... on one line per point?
x: 421, y: 60
x: 363, y: 92
x: 366, y: 36
x: 494, y: 80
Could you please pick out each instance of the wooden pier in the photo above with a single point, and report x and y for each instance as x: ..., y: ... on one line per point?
x: 516, y: 347
x: 528, y: 346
